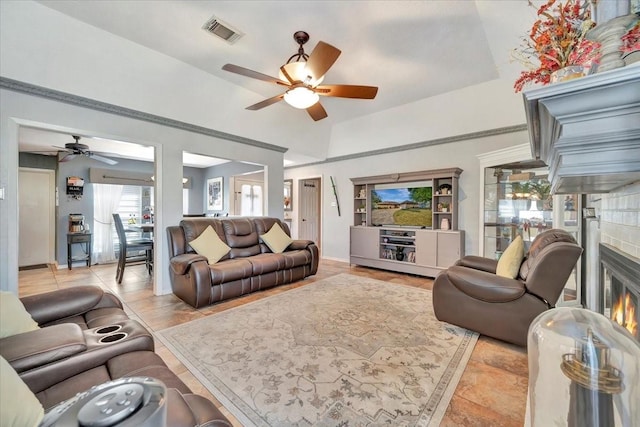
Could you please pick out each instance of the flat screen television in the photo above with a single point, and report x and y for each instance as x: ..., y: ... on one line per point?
x: 402, y: 204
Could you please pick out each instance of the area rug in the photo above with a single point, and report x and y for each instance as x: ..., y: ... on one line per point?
x: 345, y: 351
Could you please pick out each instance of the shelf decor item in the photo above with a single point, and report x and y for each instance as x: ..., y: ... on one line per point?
x: 557, y: 39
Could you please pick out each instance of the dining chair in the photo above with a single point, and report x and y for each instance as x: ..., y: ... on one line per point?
x: 130, y: 250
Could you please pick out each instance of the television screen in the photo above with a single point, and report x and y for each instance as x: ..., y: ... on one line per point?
x: 402, y: 204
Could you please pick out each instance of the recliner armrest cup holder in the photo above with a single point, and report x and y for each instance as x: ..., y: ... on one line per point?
x: 107, y: 339
x: 108, y: 329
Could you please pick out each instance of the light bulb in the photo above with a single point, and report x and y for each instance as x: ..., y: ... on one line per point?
x: 301, y: 97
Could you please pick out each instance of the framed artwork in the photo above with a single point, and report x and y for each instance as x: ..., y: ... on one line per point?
x: 214, y: 194
x: 288, y: 194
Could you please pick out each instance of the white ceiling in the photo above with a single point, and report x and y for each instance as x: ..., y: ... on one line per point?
x: 411, y: 50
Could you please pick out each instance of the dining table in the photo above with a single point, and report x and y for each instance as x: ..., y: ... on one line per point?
x: 144, y: 228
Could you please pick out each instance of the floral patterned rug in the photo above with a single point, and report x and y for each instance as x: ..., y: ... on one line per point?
x: 343, y: 352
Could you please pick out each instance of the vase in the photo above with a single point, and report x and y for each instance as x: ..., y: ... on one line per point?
x: 569, y: 72
x: 400, y: 256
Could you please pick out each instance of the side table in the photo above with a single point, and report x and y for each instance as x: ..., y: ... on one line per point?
x: 82, y: 239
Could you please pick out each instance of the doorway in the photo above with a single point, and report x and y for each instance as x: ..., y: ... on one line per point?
x: 249, y: 195
x: 309, y: 191
x: 36, y: 222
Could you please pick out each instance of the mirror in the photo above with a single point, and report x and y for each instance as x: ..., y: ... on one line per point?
x: 288, y: 194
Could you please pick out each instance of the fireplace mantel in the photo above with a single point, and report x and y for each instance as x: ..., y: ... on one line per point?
x: 587, y: 130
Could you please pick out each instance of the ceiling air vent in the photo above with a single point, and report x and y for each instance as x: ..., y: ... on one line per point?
x: 222, y: 30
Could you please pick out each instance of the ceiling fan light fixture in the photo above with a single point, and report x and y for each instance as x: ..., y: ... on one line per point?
x: 297, y: 71
x: 301, y: 97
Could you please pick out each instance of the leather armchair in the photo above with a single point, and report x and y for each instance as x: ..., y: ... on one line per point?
x: 471, y: 295
x: 86, y: 306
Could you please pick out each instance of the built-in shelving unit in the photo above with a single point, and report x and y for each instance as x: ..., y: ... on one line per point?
x: 360, y: 204
x: 418, y: 250
x: 444, y: 202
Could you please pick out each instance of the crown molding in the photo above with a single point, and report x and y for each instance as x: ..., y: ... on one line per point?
x: 416, y: 145
x: 55, y: 95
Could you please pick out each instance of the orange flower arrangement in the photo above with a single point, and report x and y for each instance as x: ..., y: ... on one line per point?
x: 556, y: 40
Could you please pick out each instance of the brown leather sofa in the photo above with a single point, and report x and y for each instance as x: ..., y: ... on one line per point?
x: 87, y: 339
x: 471, y: 295
x: 248, y: 267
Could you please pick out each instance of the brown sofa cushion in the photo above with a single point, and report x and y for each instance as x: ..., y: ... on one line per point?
x: 266, y: 263
x: 230, y: 270
x: 242, y: 237
x: 43, y: 346
x: 485, y: 286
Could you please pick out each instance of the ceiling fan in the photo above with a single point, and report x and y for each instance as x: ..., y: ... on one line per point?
x: 302, y: 75
x: 76, y: 149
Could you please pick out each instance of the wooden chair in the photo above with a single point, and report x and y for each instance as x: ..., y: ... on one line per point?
x: 131, y: 245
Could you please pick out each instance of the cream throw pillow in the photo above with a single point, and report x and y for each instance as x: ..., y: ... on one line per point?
x: 14, y: 318
x: 509, y: 262
x: 276, y: 239
x: 209, y: 244
x: 20, y: 407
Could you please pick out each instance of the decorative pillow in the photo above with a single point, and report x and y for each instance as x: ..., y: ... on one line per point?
x: 20, y: 407
x: 276, y: 239
x: 509, y: 262
x: 209, y: 244
x: 14, y: 318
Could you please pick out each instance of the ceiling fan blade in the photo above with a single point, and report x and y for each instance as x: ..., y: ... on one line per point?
x: 68, y: 157
x: 317, y: 111
x: 253, y: 74
x: 103, y: 159
x: 321, y: 59
x: 266, y: 102
x: 347, y: 91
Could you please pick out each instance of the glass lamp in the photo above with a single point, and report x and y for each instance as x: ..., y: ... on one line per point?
x: 297, y: 71
x: 584, y: 370
x: 301, y: 97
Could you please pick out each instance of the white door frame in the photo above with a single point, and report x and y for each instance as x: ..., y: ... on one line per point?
x: 51, y: 208
x: 516, y: 153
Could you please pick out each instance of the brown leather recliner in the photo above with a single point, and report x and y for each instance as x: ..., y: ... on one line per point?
x: 87, y: 339
x: 471, y: 295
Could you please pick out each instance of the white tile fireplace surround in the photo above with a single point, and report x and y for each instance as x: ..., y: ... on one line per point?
x: 619, y: 228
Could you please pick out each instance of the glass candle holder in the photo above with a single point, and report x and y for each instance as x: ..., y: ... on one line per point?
x: 584, y: 370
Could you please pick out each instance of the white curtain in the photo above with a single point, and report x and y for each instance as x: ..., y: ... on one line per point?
x: 106, y: 199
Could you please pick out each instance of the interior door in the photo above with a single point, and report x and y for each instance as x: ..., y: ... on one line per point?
x: 249, y: 197
x: 309, y: 218
x: 36, y: 222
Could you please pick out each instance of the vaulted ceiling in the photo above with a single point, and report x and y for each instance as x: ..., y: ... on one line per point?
x: 411, y: 50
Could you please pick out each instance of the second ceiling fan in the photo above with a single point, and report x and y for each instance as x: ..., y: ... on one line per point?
x: 302, y: 75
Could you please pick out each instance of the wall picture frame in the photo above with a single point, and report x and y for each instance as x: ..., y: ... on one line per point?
x: 288, y: 195
x: 215, y: 194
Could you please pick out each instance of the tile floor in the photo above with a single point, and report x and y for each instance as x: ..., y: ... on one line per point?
x: 491, y: 392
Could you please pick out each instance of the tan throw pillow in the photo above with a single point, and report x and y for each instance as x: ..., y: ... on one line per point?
x: 509, y: 262
x: 276, y: 239
x: 209, y: 244
x: 20, y: 407
x: 14, y: 318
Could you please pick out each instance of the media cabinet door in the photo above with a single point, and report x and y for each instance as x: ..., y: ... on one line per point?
x: 426, y: 247
x: 449, y: 248
x: 364, y: 242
